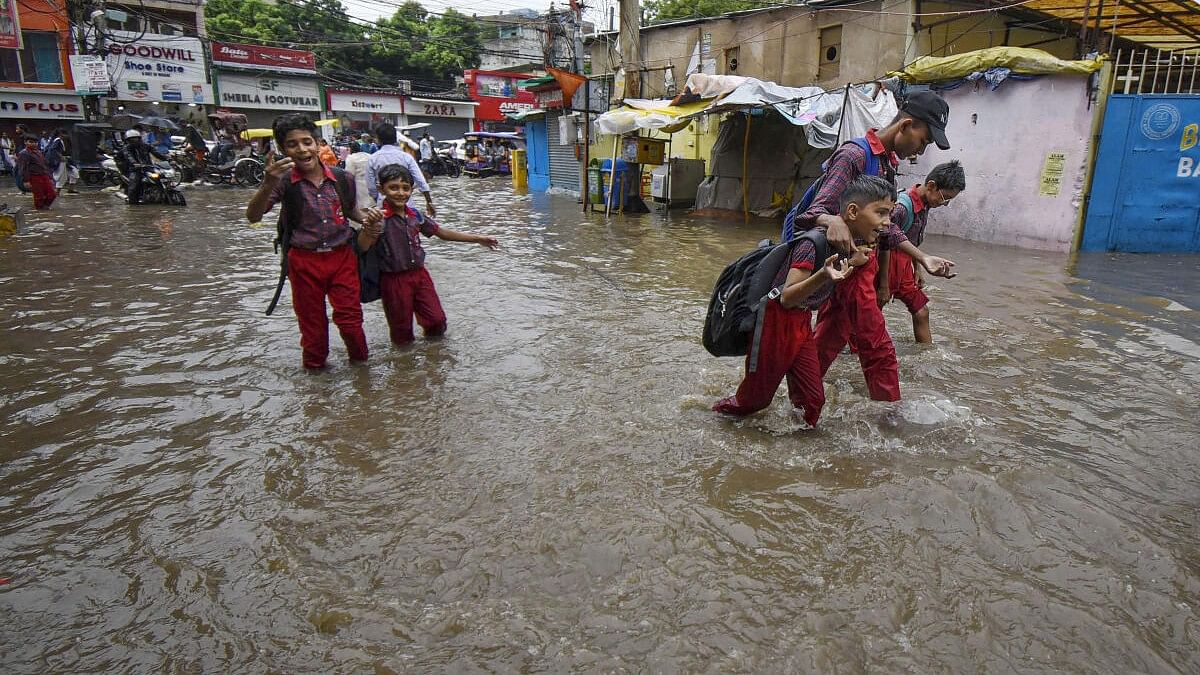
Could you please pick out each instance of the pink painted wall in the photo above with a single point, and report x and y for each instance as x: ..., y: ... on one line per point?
x: 1003, y: 149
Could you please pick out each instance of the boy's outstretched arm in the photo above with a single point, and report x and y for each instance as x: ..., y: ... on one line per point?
x: 453, y: 235
x: 938, y: 267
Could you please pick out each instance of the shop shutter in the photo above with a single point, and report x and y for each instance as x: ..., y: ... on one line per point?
x: 564, y: 168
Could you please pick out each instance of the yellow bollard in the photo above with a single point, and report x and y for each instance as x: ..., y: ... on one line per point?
x: 520, y: 172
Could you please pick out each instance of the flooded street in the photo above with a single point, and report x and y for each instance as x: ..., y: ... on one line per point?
x: 546, y: 490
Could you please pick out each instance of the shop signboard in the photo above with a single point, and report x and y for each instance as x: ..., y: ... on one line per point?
x: 346, y: 101
x: 273, y: 59
x: 40, y: 106
x: 153, y: 67
x: 268, y: 92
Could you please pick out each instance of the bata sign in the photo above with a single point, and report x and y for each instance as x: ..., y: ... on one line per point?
x: 42, y: 106
x: 268, y: 93
x: 167, y: 68
x: 274, y: 59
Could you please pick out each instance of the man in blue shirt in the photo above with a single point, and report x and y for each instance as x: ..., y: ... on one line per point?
x: 390, y: 153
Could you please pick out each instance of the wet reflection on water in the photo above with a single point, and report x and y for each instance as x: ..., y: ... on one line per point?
x: 546, y: 489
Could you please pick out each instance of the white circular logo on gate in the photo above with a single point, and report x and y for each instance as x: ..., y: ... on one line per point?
x: 1160, y: 121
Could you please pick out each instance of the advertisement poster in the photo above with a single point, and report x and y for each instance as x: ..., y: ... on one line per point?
x: 499, y: 87
x: 274, y: 59
x: 10, y: 25
x: 90, y: 74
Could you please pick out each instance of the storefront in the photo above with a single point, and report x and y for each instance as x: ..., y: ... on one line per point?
x: 158, y: 74
x: 265, y: 82
x: 498, y: 96
x: 35, y: 77
x: 560, y: 131
x: 448, y: 119
x: 362, y: 111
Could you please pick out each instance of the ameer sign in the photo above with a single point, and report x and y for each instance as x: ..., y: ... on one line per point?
x: 150, y: 67
x: 342, y: 101
x: 264, y: 58
x: 238, y: 90
x: 40, y: 106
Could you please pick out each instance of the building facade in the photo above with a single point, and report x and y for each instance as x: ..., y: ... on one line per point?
x: 36, y: 87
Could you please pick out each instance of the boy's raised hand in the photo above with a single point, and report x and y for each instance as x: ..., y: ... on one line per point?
x: 278, y: 169
x: 837, y: 270
x: 939, y: 267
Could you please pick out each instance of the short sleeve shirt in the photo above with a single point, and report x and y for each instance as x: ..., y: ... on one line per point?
x: 402, y: 232
x: 804, y: 257
x: 322, y: 224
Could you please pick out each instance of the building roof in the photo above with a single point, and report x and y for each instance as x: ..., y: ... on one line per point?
x: 1160, y: 24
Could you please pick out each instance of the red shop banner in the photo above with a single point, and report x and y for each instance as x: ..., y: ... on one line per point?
x: 264, y: 58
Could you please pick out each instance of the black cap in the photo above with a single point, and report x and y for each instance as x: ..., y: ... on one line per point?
x: 933, y: 111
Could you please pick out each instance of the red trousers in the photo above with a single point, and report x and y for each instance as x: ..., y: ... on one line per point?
x: 314, y: 276
x: 786, y: 349
x: 902, y: 281
x: 853, y: 315
x: 43, y: 190
x: 409, y: 293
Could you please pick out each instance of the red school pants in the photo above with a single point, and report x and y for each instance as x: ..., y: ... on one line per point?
x: 43, y: 190
x: 313, y: 277
x: 902, y: 281
x: 853, y: 315
x: 409, y: 293
x: 785, y: 349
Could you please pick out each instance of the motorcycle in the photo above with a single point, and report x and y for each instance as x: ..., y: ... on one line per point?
x: 158, y: 183
x: 441, y: 165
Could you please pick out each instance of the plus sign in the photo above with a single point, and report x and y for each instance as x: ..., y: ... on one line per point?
x: 1128, y: 78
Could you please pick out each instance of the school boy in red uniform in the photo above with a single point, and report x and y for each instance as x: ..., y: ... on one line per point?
x: 898, y: 277
x: 787, y: 347
x: 321, y: 260
x: 35, y: 174
x: 405, y: 286
x: 853, y: 314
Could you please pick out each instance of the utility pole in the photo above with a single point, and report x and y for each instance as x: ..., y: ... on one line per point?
x: 631, y: 48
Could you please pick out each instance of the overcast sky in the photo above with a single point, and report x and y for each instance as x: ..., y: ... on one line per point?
x: 371, y: 9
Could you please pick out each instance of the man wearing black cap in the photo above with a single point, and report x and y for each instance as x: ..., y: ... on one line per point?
x: 853, y: 314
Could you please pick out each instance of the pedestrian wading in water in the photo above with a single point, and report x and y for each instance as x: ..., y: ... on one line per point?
x: 787, y: 348
x: 852, y: 315
x: 316, y: 233
x: 899, y: 277
x: 35, y: 174
x: 405, y: 285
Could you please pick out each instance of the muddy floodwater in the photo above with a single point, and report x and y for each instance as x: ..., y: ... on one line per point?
x: 546, y: 490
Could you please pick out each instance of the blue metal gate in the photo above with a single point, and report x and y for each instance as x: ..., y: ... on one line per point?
x: 537, y: 154
x: 1145, y: 195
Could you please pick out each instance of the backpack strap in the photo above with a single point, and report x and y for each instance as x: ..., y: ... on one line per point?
x: 342, y: 181
x: 905, y: 200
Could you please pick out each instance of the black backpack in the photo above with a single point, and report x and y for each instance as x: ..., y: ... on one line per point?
x: 733, y: 326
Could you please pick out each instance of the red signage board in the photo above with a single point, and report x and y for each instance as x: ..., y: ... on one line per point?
x: 263, y: 58
x: 497, y: 94
x: 10, y: 26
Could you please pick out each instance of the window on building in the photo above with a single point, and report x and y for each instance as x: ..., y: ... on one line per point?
x: 39, y: 61
x: 831, y: 53
x: 731, y: 60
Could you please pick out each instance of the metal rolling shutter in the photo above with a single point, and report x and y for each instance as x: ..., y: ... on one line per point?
x: 564, y: 168
x: 443, y: 129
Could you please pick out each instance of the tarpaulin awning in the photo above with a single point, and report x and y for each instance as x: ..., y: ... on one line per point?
x: 1160, y: 24
x: 256, y: 133
x: 1020, y: 60
x: 648, y: 114
x: 523, y: 115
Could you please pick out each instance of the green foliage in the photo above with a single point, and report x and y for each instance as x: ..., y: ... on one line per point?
x: 409, y: 44
x: 658, y: 11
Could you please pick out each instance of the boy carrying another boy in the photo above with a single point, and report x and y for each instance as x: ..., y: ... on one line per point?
x: 319, y: 204
x: 787, y: 347
x: 404, y: 284
x: 853, y: 314
x: 898, y: 277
